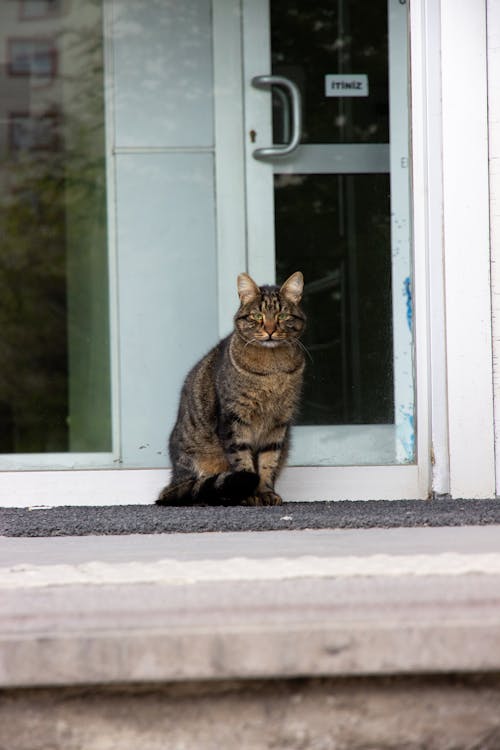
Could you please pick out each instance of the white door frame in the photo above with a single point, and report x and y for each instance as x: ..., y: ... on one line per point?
x: 493, y: 27
x: 457, y: 336
x: 467, y: 285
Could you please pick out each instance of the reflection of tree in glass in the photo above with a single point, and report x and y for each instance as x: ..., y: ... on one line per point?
x: 33, y: 306
x: 51, y: 197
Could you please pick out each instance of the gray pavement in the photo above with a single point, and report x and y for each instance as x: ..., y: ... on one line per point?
x: 151, y: 519
x: 322, y: 543
x: 142, y: 608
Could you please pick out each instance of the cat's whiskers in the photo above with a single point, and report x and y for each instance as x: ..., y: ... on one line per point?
x: 301, y: 345
x: 250, y: 342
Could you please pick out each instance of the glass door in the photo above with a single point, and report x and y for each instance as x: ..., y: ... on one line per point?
x: 146, y: 159
x: 328, y: 190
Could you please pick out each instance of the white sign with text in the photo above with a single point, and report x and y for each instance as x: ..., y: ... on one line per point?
x: 342, y: 84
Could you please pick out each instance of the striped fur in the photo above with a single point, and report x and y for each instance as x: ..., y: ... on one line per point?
x: 237, y: 404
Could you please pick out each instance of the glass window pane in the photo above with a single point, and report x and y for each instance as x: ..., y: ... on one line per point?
x: 54, y: 330
x: 336, y: 229
x: 311, y: 40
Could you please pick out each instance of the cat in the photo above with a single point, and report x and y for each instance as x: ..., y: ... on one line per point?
x: 237, y: 404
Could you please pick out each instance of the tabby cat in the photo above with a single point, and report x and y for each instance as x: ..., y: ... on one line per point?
x: 237, y: 404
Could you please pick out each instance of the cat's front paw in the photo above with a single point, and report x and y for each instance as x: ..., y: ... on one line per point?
x: 263, y: 498
x: 252, y: 500
x: 271, y: 498
x: 238, y: 485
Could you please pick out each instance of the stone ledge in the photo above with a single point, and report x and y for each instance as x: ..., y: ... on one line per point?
x: 424, y: 713
x: 82, y: 635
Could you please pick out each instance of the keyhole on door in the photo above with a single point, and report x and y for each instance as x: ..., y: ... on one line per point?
x: 253, y: 136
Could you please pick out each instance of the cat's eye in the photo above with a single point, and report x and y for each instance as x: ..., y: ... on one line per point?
x: 257, y: 316
x: 283, y: 316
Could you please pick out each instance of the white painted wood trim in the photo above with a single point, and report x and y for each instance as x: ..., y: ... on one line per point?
x: 420, y: 190
x: 403, y: 283
x: 141, y: 486
x: 111, y: 207
x: 466, y: 243
x: 431, y: 110
x: 34, y: 462
x: 310, y: 483
x: 229, y: 156
x: 258, y: 118
x: 92, y: 487
x: 432, y: 413
x: 337, y: 158
x: 493, y: 41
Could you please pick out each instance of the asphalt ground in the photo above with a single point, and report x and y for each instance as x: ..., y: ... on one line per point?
x: 151, y: 519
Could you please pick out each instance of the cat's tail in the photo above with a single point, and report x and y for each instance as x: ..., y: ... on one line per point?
x: 228, y: 488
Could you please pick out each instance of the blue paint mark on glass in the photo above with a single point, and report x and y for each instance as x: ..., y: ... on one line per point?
x: 406, y: 434
x: 409, y: 302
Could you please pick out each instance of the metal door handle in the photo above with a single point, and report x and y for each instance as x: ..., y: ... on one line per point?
x: 271, y: 152
x: 285, y: 106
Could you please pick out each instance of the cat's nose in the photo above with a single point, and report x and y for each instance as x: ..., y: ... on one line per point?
x: 269, y: 327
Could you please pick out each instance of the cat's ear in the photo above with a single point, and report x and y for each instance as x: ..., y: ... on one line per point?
x: 247, y: 288
x: 293, y: 287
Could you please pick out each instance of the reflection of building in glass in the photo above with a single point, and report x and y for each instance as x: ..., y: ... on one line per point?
x: 30, y: 85
x: 34, y: 58
x: 27, y: 132
x: 38, y: 9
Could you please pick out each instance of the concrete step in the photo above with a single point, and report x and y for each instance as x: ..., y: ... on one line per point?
x: 313, y: 628
x: 365, y: 713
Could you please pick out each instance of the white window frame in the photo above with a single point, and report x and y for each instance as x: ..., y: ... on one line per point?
x: 493, y: 41
x: 455, y: 396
